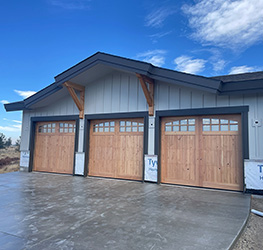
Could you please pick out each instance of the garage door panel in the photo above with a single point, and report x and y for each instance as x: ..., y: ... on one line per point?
x: 178, y: 153
x: 54, y: 147
x: 208, y: 155
x: 119, y: 155
x: 222, y: 157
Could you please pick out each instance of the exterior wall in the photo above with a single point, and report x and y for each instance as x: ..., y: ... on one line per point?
x: 121, y: 92
x: 114, y: 93
x: 172, y: 97
x: 64, y: 106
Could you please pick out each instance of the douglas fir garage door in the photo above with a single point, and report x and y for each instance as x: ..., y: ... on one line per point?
x: 54, y: 147
x: 116, y: 148
x: 202, y: 151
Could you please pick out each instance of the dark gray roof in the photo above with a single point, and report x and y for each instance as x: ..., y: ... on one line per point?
x: 240, y: 77
x: 135, y: 66
x: 230, y: 84
x: 245, y: 83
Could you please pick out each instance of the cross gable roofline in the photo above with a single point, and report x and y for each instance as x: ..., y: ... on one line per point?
x: 218, y: 85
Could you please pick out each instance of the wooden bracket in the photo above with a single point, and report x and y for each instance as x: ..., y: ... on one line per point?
x: 72, y: 87
x: 148, y: 92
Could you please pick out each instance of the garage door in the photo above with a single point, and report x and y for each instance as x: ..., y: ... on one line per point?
x: 116, y: 148
x: 54, y: 147
x: 203, y: 151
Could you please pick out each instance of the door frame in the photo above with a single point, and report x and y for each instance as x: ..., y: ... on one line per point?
x: 35, y: 120
x: 105, y: 116
x: 242, y: 110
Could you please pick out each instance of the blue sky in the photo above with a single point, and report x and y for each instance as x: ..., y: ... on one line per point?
x: 40, y: 39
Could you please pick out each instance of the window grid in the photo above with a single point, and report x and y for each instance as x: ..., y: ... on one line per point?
x: 104, y: 127
x: 130, y: 126
x: 217, y: 124
x: 183, y: 125
x: 47, y: 128
x: 67, y: 127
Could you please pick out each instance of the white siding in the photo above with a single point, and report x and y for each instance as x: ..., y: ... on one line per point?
x: 64, y: 106
x: 114, y: 93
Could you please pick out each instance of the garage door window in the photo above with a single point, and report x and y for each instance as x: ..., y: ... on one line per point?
x: 183, y: 125
x: 104, y: 127
x: 47, y: 128
x: 216, y: 124
x: 67, y: 127
x: 130, y: 126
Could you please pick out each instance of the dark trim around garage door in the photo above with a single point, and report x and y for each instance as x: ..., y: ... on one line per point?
x: 33, y: 122
x: 88, y: 118
x: 243, y: 110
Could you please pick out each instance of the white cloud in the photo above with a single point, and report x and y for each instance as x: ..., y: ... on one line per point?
x: 17, y: 121
x: 226, y: 23
x: 19, y: 126
x: 4, y: 101
x: 157, y: 17
x: 241, y: 69
x: 71, y: 4
x: 13, y: 128
x: 219, y: 65
x: 156, y: 36
x: 155, y: 57
x: 25, y: 94
x: 188, y: 65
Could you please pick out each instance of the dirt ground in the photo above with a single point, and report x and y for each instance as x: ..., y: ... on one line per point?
x: 9, y: 160
x: 252, y: 236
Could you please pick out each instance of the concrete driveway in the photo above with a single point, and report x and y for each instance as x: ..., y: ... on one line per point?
x: 47, y: 211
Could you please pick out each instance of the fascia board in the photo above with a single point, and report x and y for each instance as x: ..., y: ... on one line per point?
x: 15, y: 106
x: 242, y: 87
x: 40, y: 95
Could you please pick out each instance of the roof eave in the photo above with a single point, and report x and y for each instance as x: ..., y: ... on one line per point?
x: 15, y: 106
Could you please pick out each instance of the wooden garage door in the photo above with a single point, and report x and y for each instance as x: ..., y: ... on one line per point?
x: 116, y: 148
x: 203, y: 151
x: 54, y: 147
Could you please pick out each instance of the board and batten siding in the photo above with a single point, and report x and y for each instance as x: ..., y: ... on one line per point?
x: 168, y: 97
x: 121, y: 92
x: 64, y: 106
x: 115, y: 93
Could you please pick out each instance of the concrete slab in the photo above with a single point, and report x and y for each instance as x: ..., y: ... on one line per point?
x: 48, y: 211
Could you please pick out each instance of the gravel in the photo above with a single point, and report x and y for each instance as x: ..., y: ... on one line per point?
x: 252, y: 236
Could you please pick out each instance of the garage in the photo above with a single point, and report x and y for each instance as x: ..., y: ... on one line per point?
x: 116, y: 148
x: 204, y: 151
x: 54, y: 146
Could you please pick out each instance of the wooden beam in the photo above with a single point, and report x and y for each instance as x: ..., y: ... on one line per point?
x: 82, y: 101
x: 148, y: 93
x: 72, y: 87
x: 151, y: 90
